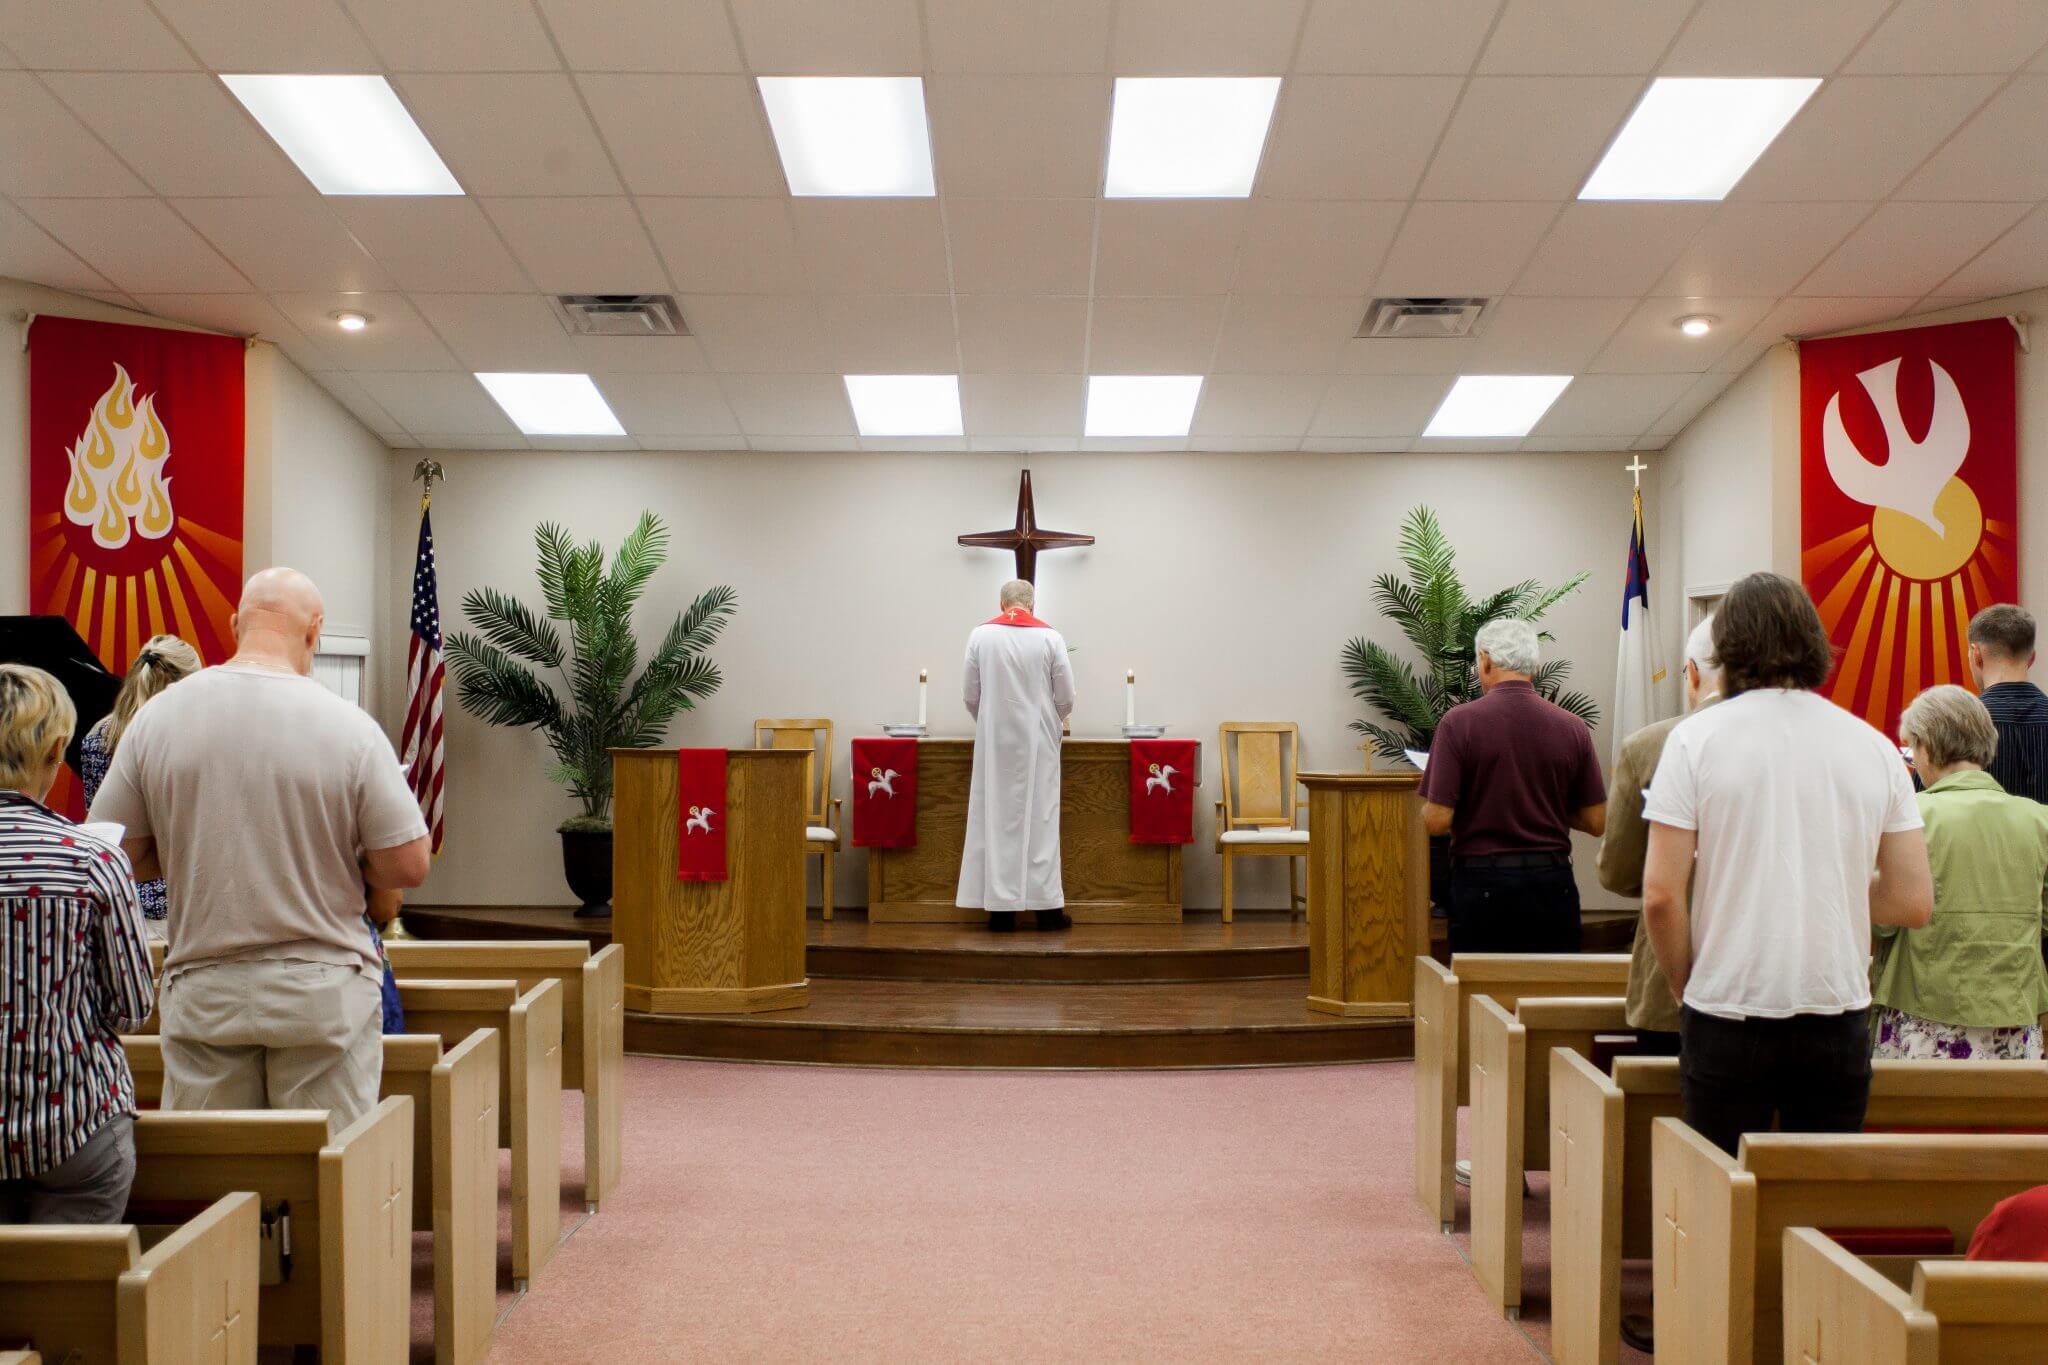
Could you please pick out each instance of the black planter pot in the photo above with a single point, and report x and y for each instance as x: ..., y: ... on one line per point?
x: 587, y: 863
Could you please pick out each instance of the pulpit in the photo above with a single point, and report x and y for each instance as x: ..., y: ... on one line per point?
x: 1368, y: 892
x: 703, y: 947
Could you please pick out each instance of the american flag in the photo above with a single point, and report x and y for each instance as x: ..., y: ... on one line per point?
x: 426, y: 675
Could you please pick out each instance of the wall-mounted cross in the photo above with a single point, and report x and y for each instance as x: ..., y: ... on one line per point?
x: 1025, y: 539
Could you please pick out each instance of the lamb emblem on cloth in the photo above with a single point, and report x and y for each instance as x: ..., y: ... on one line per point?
x: 1161, y: 779
x: 883, y: 782
x: 699, y: 821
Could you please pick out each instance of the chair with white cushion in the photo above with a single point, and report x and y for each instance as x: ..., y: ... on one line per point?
x: 1259, y: 816
x: 821, y: 807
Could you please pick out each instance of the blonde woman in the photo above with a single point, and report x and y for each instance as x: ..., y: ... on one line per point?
x: 164, y: 660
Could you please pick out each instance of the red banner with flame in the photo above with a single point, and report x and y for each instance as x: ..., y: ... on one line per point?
x: 1909, y: 502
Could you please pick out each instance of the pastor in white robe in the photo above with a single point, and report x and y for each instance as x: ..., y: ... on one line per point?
x: 1019, y: 688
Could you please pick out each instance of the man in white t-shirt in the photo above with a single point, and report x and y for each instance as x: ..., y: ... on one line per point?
x: 1806, y: 832
x: 270, y: 805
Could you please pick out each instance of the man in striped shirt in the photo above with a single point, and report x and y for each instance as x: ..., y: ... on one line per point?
x: 2001, y: 654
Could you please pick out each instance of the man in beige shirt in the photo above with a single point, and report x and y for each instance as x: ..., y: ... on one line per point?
x: 272, y: 808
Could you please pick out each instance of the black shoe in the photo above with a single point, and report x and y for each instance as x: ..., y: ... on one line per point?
x: 1054, y: 919
x: 1002, y: 921
x: 1638, y: 1332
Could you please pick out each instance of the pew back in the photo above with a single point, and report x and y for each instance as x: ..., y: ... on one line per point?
x: 1840, y: 1310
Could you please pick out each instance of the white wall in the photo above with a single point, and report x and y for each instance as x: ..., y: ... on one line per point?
x: 1738, y: 467
x: 1229, y: 582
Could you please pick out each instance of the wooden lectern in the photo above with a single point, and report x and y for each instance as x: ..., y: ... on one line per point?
x: 730, y: 947
x: 1368, y: 892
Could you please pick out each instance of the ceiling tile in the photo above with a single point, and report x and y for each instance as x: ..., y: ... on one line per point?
x: 759, y: 332
x: 1457, y: 249
x: 263, y: 35
x: 1576, y: 445
x: 667, y: 404
x: 138, y: 244
x: 432, y: 242
x: 435, y: 401
x: 494, y: 332
x: 581, y: 246
x: 1909, y: 248
x: 397, y: 338
x: 1035, y: 333
x: 1354, y: 137
x: 1954, y: 36
x: 843, y: 38
x: 249, y: 315
x: 1002, y: 35
x: 890, y: 333
x: 511, y: 134
x: 343, y: 389
x: 1543, y: 335
x: 886, y: 444
x: 2016, y: 261
x: 1758, y: 250
x: 1999, y: 154
x: 1770, y: 38
x: 1204, y: 37
x: 1380, y: 405
x: 182, y: 132
x: 1619, y: 249
x: 1405, y: 357
x: 788, y: 404
x: 90, y: 35
x: 1528, y: 137
x: 709, y: 443
x: 1271, y: 335
x: 1026, y: 444
x: 1690, y: 404
x: 1394, y: 37
x: 1582, y: 37
x: 1817, y: 317
x: 1650, y: 342
x: 1859, y: 136
x: 686, y: 134
x: 477, y: 35
x: 1151, y: 246
x: 1612, y: 404
x: 727, y: 246
x: 871, y: 246
x: 44, y: 150
x: 1153, y: 336
x: 1020, y: 404
x: 1271, y: 405
x: 1019, y: 136
x: 1135, y: 443
x: 1374, y: 445
x: 641, y: 355
x: 643, y: 35
x: 461, y: 440
x: 1021, y: 246
x: 290, y: 242
x: 29, y: 253
x: 1306, y: 247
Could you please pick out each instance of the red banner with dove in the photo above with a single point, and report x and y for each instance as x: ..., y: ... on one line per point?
x: 700, y: 815
x: 885, y: 793
x: 1163, y: 791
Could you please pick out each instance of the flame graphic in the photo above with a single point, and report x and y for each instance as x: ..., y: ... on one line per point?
x: 117, y: 484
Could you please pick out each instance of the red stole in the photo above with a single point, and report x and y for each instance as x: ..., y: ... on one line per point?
x: 1017, y: 616
x: 700, y: 815
x: 885, y: 793
x: 1163, y: 791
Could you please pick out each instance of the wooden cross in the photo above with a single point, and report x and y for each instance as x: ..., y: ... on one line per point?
x: 1025, y: 539
x: 1636, y: 467
x: 227, y: 1333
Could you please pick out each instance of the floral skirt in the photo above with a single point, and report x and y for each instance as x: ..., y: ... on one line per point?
x: 1908, y: 1035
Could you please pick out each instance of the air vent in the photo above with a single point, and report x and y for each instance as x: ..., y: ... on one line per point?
x: 620, y: 315
x: 1422, y: 319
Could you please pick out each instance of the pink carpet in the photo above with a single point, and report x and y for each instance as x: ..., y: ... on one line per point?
x: 777, y: 1213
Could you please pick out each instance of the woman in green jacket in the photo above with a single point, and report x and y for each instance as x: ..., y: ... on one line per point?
x: 1970, y: 984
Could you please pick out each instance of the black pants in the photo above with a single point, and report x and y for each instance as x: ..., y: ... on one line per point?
x: 1514, y: 909
x: 1811, y: 1073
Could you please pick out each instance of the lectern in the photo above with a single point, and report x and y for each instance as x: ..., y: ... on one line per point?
x: 1368, y: 892
x: 730, y: 947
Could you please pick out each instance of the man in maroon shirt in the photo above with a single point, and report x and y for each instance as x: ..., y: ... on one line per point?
x: 1510, y: 776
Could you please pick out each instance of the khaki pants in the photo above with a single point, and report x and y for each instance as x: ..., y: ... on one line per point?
x: 276, y: 1034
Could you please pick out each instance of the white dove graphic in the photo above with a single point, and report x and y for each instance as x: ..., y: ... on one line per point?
x: 884, y: 782
x: 1916, y: 472
x: 699, y: 821
x: 1161, y: 779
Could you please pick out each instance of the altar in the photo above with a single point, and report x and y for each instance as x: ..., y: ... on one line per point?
x: 1107, y: 878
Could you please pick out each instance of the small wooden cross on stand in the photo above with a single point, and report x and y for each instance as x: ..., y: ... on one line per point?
x: 1025, y: 539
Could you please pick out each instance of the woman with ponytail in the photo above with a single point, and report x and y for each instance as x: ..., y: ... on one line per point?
x: 164, y: 660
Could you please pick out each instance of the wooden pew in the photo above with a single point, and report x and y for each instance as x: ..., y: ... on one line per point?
x: 530, y: 1092
x: 1720, y: 1221
x: 593, y: 1024
x: 350, y: 1288
x: 454, y: 1172
x: 1510, y: 1119
x: 91, y: 1295
x: 1839, y: 1310
x: 1600, y: 1165
x: 1442, y: 1051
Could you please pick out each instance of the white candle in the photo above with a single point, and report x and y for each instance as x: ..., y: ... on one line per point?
x: 921, y: 684
x: 1131, y: 697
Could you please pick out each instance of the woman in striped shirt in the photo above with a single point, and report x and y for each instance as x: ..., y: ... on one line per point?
x: 74, y: 974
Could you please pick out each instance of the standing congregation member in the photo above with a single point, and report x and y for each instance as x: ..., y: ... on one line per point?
x: 1805, y: 830
x: 1510, y: 776
x: 1652, y: 1011
x: 74, y: 976
x: 270, y: 804
x: 164, y: 660
x: 1971, y: 983
x: 2001, y: 655
x: 1019, y: 688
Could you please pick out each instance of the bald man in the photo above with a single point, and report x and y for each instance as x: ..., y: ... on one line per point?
x: 271, y: 808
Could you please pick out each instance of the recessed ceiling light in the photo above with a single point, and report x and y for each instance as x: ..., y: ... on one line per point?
x: 1495, y: 405
x: 553, y: 404
x: 905, y: 404
x: 350, y: 322
x: 1188, y: 137
x: 1693, y: 138
x: 1697, y: 324
x: 1141, y: 404
x: 851, y: 135
x: 349, y: 134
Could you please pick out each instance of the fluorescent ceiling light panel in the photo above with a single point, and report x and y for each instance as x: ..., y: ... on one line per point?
x: 553, y: 404
x: 1142, y: 404
x: 1496, y: 405
x: 1188, y: 137
x: 1693, y: 138
x: 905, y: 404
x: 851, y: 135
x: 349, y: 134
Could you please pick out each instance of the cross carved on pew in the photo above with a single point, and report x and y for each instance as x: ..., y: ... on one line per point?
x: 395, y: 1202
x: 226, y: 1334
x: 1678, y: 1234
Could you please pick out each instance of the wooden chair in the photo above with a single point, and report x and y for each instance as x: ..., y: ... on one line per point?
x: 1258, y: 815
x: 821, y: 807
x: 91, y: 1295
x: 1841, y: 1310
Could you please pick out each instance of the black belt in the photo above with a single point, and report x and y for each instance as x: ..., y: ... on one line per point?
x: 1512, y: 860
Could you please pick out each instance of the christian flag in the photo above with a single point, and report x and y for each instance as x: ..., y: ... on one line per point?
x: 1639, y: 672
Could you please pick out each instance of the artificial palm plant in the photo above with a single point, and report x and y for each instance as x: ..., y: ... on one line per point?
x: 1439, y: 616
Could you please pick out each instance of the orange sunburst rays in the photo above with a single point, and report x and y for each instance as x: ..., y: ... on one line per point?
x: 186, y: 593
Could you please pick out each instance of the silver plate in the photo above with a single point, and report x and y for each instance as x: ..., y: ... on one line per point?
x: 904, y: 731
x: 1143, y: 731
